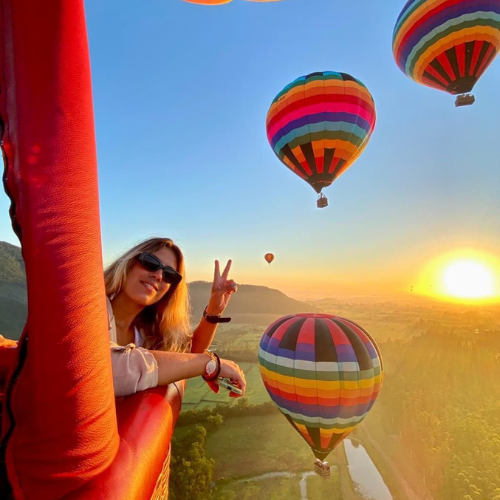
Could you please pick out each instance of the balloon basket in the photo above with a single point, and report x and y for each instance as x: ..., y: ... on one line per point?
x: 322, y: 468
x: 322, y: 201
x: 464, y: 100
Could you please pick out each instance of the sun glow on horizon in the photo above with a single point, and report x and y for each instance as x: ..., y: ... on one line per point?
x: 468, y: 279
x: 462, y: 275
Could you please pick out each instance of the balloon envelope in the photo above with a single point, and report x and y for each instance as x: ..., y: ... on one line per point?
x: 319, y: 124
x: 221, y: 2
x: 269, y: 257
x: 324, y: 374
x: 208, y: 2
x: 447, y: 44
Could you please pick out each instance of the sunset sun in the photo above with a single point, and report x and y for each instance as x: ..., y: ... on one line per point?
x: 462, y: 275
x: 468, y: 279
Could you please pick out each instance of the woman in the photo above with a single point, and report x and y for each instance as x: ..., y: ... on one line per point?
x: 148, y: 308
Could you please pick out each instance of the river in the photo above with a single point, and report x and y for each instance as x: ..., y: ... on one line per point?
x: 363, y: 472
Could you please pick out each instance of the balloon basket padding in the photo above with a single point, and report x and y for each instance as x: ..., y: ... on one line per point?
x: 322, y: 469
x: 464, y: 100
x: 322, y: 201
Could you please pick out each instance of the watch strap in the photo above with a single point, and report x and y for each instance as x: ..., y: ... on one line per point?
x: 214, y: 319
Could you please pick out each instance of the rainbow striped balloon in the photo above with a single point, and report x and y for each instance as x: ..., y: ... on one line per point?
x: 319, y: 125
x: 447, y: 44
x: 324, y: 374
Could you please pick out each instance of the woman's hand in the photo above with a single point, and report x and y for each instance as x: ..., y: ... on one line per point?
x: 230, y: 370
x: 222, y: 288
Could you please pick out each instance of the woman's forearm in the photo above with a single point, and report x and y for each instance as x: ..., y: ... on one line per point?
x: 203, y: 336
x: 173, y: 366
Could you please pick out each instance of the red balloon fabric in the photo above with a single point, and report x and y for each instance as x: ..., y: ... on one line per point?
x: 140, y: 471
x: 59, y: 428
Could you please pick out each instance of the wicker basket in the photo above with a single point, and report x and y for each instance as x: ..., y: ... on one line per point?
x: 161, y: 488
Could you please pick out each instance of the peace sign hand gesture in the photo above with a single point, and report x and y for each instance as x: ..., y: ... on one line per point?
x: 222, y: 288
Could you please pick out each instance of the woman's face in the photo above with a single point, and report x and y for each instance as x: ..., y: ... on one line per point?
x: 148, y: 287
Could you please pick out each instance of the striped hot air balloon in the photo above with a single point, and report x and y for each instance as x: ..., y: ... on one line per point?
x: 447, y: 44
x: 221, y: 2
x: 324, y: 374
x: 208, y: 2
x: 319, y: 125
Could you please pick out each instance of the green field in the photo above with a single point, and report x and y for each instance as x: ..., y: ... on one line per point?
x: 281, y: 488
x: 198, y: 395
x: 238, y: 337
x: 249, y: 340
x: 247, y: 447
x: 256, y: 392
x: 227, y: 335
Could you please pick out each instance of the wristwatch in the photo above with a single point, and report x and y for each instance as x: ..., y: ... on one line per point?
x: 214, y: 319
x: 212, y: 368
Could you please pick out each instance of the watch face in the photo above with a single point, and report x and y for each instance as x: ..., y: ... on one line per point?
x: 211, y: 367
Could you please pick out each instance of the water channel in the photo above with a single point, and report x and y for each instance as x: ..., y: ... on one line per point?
x: 363, y: 472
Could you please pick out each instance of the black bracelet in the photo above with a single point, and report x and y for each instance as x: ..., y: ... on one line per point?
x: 214, y: 319
x: 217, y: 371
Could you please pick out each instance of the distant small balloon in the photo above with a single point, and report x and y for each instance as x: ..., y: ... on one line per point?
x: 269, y: 257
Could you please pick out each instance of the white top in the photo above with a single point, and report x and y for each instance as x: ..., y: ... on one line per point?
x: 134, y: 367
x: 138, y: 340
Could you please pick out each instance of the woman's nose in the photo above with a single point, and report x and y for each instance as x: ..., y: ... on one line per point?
x: 158, y: 274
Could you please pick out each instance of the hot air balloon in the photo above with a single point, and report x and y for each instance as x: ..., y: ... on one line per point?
x: 221, y: 2
x: 447, y: 44
x: 323, y: 372
x: 208, y: 2
x: 269, y: 258
x: 319, y: 124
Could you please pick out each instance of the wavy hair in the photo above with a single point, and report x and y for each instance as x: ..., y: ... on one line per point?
x: 165, y: 324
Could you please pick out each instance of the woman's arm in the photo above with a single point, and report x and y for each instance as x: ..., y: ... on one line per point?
x: 174, y: 366
x: 203, y: 335
x: 222, y: 289
x: 136, y: 369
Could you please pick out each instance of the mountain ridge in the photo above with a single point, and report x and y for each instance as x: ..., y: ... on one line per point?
x: 252, y: 304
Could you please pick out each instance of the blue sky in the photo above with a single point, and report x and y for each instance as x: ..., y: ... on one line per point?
x: 181, y: 94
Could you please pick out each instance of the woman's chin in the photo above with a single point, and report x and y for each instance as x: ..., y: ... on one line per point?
x: 143, y: 299
x: 147, y: 300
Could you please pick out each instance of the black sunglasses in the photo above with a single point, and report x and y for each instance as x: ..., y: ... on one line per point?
x: 152, y: 263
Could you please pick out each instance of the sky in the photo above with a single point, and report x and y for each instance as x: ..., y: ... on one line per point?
x: 181, y: 93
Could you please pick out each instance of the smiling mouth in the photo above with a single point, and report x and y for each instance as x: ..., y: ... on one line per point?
x: 149, y: 286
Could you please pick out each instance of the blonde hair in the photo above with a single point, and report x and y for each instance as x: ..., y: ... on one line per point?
x: 165, y: 325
